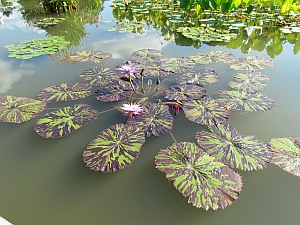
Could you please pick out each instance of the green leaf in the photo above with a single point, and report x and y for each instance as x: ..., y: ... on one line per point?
x: 235, y: 149
x: 19, y: 109
x: 206, y: 182
x: 99, y: 76
x: 251, y: 63
x: 114, y: 149
x: 212, y: 57
x: 146, y: 56
x: 64, y: 121
x: 88, y: 56
x: 178, y: 65
x: 184, y: 92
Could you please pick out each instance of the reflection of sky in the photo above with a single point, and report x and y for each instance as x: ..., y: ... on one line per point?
x: 10, y: 73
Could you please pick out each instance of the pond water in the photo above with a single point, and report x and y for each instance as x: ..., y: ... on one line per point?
x: 45, y: 181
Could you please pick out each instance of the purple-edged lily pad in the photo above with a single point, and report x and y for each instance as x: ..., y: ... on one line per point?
x: 146, y: 56
x: 19, y: 109
x: 212, y: 57
x: 184, y: 92
x: 64, y: 121
x: 113, y: 93
x: 251, y: 63
x: 114, y: 148
x: 65, y: 92
x: 90, y: 57
x: 178, y: 65
x: 201, y: 77
x: 286, y: 154
x: 235, y: 149
x: 206, y: 182
x: 99, y: 76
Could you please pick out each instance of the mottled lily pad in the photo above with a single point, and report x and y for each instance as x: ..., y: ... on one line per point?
x: 249, y: 81
x: 64, y: 121
x: 184, y: 92
x: 154, y: 70
x: 146, y: 56
x: 90, y: 57
x: 155, y: 120
x: 65, y: 92
x: 114, y: 149
x: 206, y: 182
x: 19, y: 109
x: 178, y: 65
x: 113, y: 93
x: 200, y: 77
x: 235, y: 149
x: 205, y: 111
x: 99, y: 76
x: 213, y: 57
x: 251, y: 63
x: 286, y: 154
x: 240, y: 100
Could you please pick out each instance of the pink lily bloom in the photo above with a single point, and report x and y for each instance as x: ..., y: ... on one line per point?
x: 132, y: 109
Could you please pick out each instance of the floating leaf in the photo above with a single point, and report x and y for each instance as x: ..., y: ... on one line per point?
x: 146, y: 56
x: 249, y: 81
x: 19, y: 109
x: 200, y: 77
x: 207, y: 182
x: 114, y: 148
x: 235, y: 149
x: 184, y: 92
x: 286, y: 154
x: 251, y: 63
x: 99, y: 76
x: 65, y: 92
x: 212, y: 57
x: 155, y: 120
x: 205, y: 111
x: 64, y: 121
x: 178, y: 65
x: 240, y: 100
x: 88, y: 56
x: 154, y: 70
x: 113, y: 93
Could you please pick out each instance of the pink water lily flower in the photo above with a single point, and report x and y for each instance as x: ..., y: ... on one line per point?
x: 132, y: 109
x: 128, y: 71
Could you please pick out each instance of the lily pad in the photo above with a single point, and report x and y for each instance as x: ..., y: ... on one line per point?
x: 235, y: 149
x: 146, y: 56
x: 90, y: 57
x: 155, y: 120
x: 206, y: 182
x: 113, y: 93
x: 99, y: 76
x: 178, y: 65
x: 200, y: 77
x: 240, y: 100
x: 251, y: 63
x: 286, y: 154
x: 205, y: 111
x: 212, y: 57
x: 64, y: 121
x: 249, y: 81
x: 154, y: 70
x: 114, y: 148
x: 19, y: 109
x: 65, y: 92
x: 184, y: 92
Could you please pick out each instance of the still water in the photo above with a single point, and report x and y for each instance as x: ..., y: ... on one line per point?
x: 44, y: 181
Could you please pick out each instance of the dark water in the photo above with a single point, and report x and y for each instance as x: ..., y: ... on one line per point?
x: 44, y: 181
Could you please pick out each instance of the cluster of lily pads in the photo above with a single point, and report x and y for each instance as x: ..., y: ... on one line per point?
x: 204, y: 172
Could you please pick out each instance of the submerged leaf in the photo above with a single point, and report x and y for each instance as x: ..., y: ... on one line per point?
x: 183, y: 92
x: 235, y: 149
x: 19, y: 109
x: 64, y: 121
x: 207, y: 182
x: 114, y: 148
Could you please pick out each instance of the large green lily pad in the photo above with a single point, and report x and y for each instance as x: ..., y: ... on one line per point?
x: 19, y: 109
x: 240, y: 100
x: 178, y: 65
x: 64, y: 121
x: 251, y: 63
x: 206, y: 182
x: 249, y: 81
x: 65, y: 92
x: 89, y: 56
x: 286, y: 154
x: 114, y: 148
x: 200, y: 77
x: 212, y: 57
x: 99, y: 76
x: 235, y: 149
x: 205, y: 111
x: 155, y: 120
x: 184, y: 92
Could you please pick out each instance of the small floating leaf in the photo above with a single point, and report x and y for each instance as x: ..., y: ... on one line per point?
x: 207, y: 182
x: 99, y: 76
x: 64, y: 121
x: 235, y: 149
x: 114, y: 148
x: 65, y: 92
x: 200, y: 77
x: 19, y: 109
x: 88, y: 56
x: 286, y: 154
x: 184, y: 92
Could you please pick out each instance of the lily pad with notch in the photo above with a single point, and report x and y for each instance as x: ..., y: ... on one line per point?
x: 184, y: 92
x: 99, y: 76
x: 89, y: 56
x: 19, y: 109
x: 213, y: 57
x: 207, y: 183
x: 235, y: 149
x: 251, y: 63
x: 64, y: 121
x: 178, y: 65
x: 200, y: 77
x: 114, y: 149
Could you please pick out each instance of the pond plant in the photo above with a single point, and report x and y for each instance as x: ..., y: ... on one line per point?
x: 57, y: 6
x: 204, y: 170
